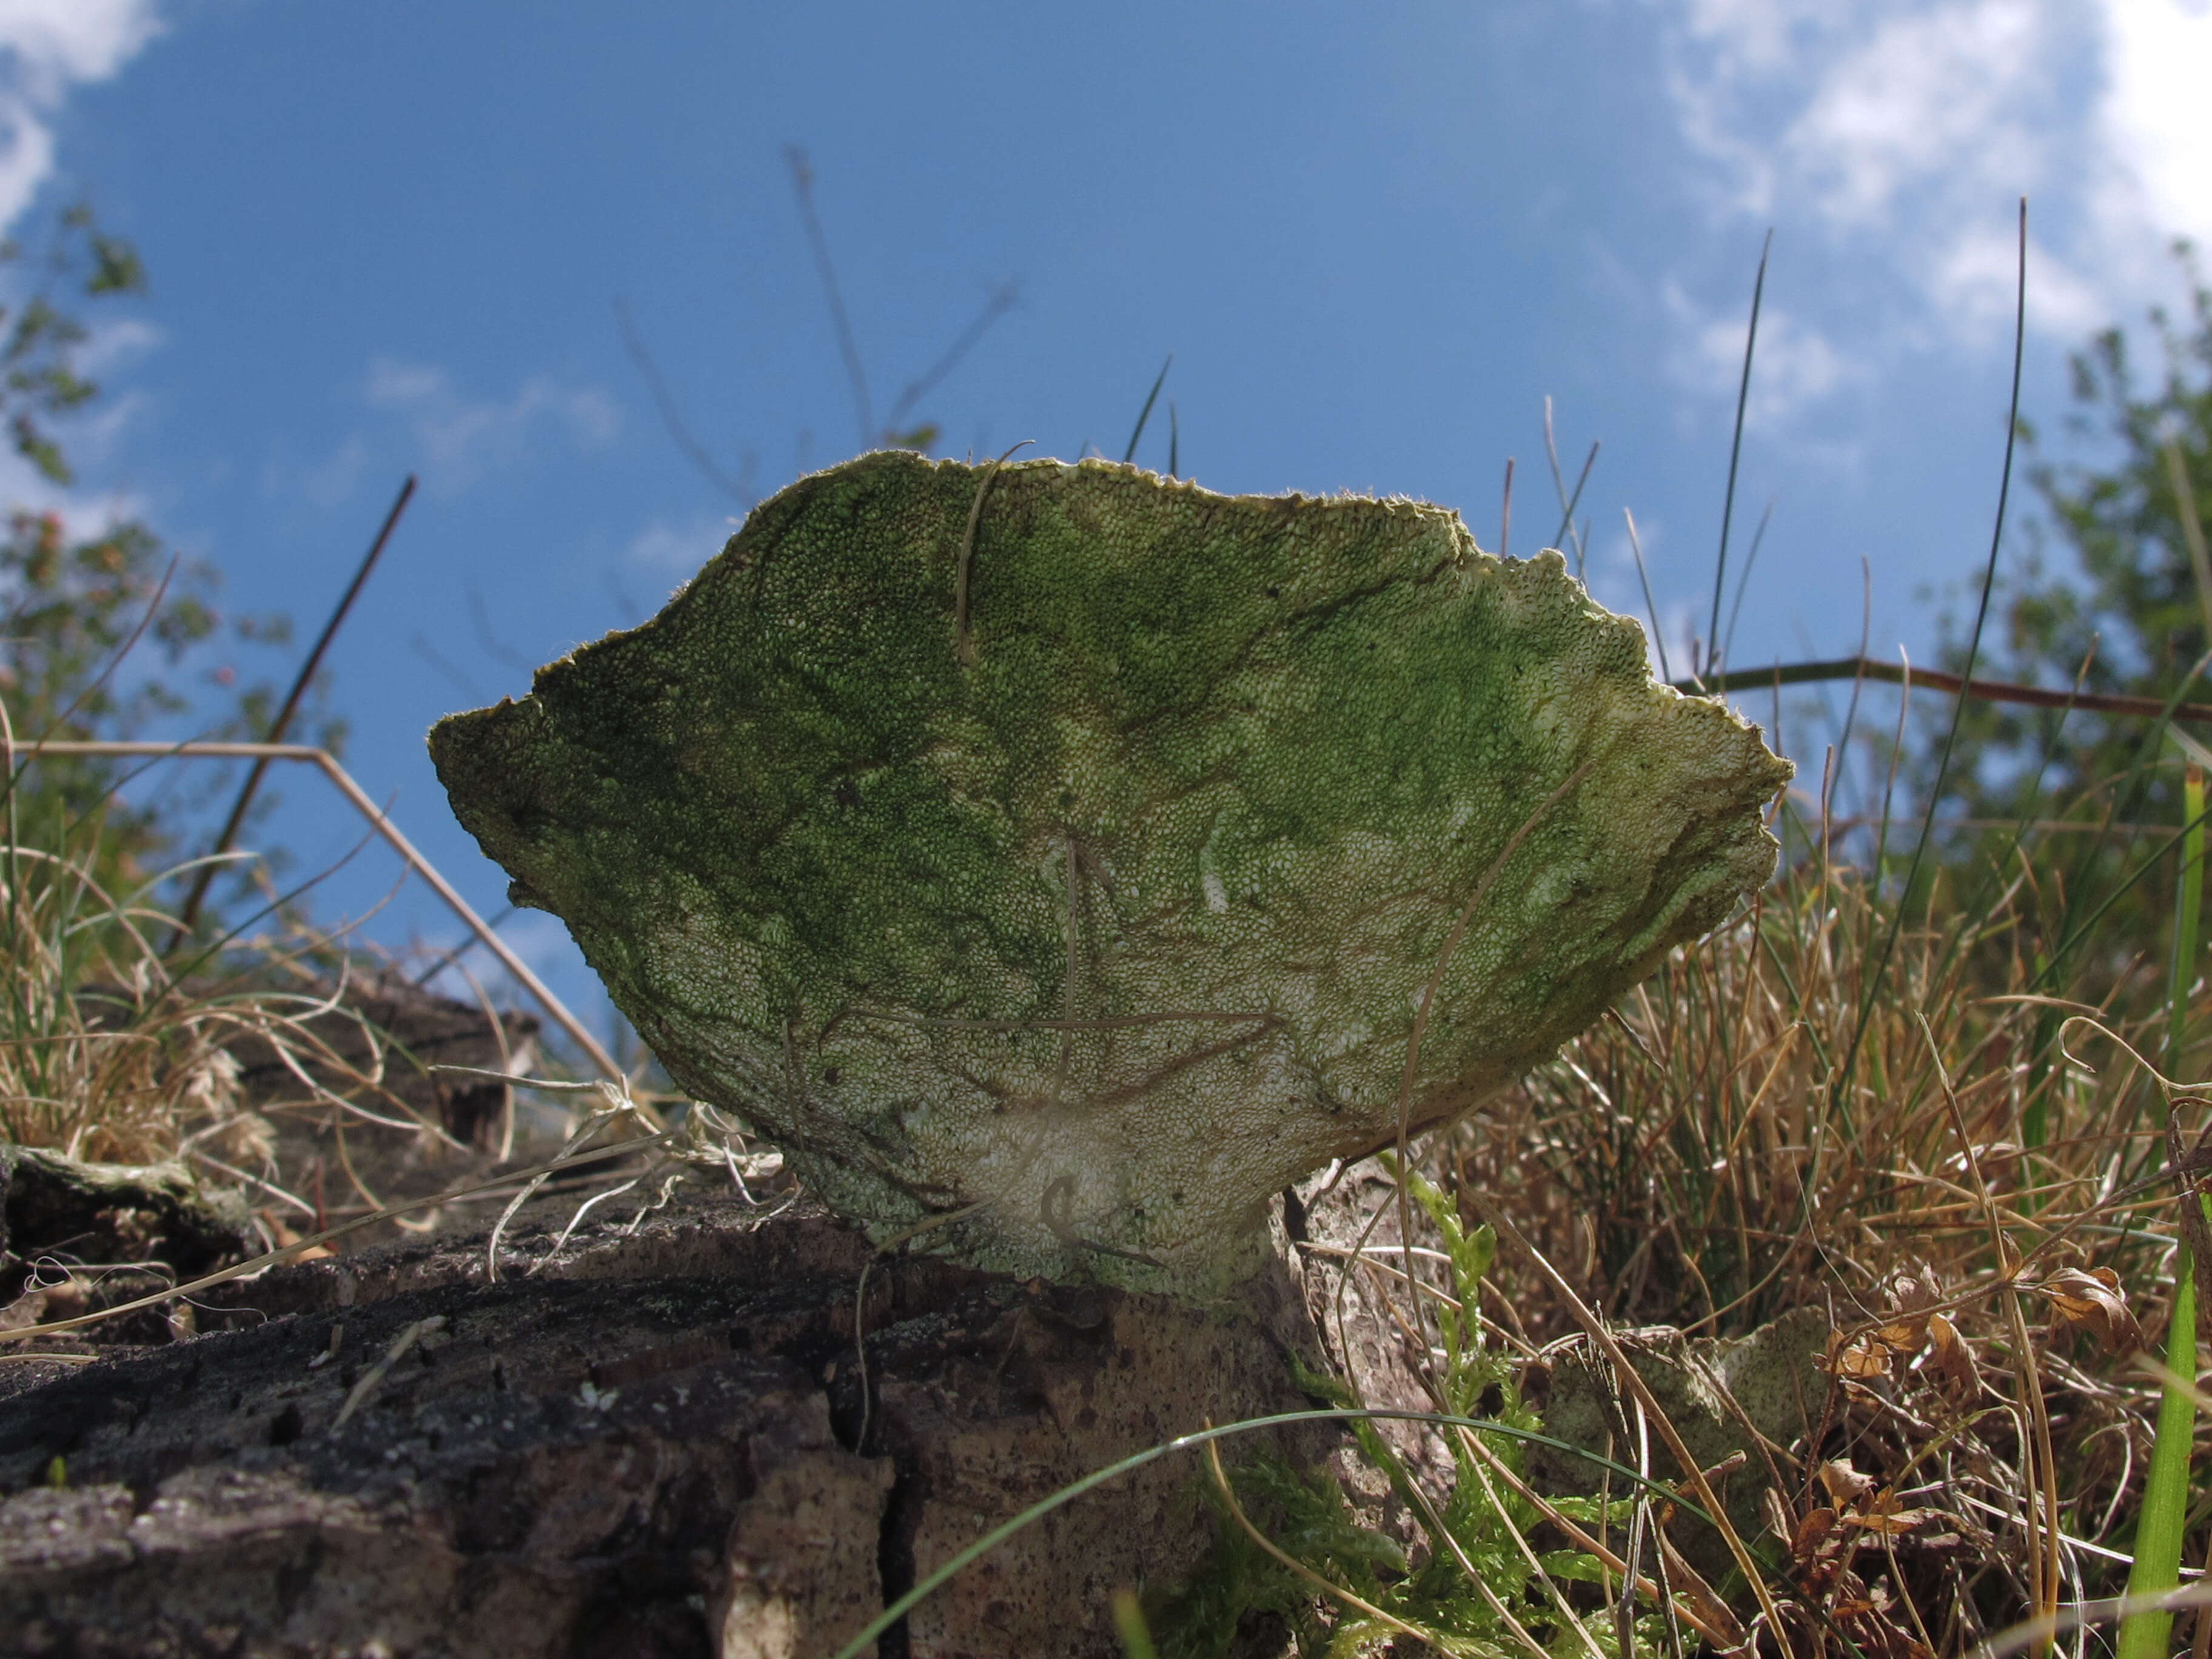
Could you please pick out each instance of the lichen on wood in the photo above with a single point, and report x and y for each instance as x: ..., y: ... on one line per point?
x: 1079, y: 850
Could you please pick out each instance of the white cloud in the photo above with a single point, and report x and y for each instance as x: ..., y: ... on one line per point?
x: 1854, y: 109
x: 46, y: 48
x: 1974, y: 280
x: 1795, y: 367
x: 23, y: 488
x: 1945, y: 101
x: 678, y: 551
x: 460, y: 437
x: 1891, y: 138
x: 2158, y: 85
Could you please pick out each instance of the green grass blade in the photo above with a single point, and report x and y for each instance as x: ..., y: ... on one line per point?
x: 1146, y: 413
x: 1075, y: 1489
x: 1840, y: 1090
x: 1735, y: 455
x: 1129, y: 1624
x: 2165, y: 1516
x: 2189, y: 901
x: 2165, y: 1490
x: 1743, y: 580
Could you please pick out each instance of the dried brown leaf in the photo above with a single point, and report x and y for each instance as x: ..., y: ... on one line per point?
x: 1805, y: 1541
x: 1904, y: 1338
x: 1867, y: 1357
x: 1886, y: 1514
x: 1952, y: 1361
x: 2091, y: 1299
x: 1916, y: 1290
x: 1890, y: 1522
x: 1843, y: 1481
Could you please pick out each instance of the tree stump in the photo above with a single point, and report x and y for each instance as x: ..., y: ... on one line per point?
x: 655, y: 1440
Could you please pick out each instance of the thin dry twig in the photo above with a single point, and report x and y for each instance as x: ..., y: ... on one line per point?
x: 372, y: 1378
x: 381, y: 823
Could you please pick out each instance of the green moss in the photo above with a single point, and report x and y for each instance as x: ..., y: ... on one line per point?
x: 1197, y: 756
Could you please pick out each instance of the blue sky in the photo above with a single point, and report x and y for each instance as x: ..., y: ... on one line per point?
x: 394, y: 237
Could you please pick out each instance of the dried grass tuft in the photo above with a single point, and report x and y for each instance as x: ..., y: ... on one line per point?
x: 1988, y: 1221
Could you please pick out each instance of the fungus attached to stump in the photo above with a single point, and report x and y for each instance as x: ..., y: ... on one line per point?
x: 1096, y: 855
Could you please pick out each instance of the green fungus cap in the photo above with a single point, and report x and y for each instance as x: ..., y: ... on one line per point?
x: 1083, y: 850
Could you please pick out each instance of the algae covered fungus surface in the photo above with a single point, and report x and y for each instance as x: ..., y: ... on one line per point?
x: 1095, y: 855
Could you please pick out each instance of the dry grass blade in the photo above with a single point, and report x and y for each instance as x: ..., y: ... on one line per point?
x: 615, y: 1103
x: 188, y: 915
x: 965, y: 645
x: 372, y: 1378
x: 2044, y: 1565
x: 380, y: 823
x: 1631, y: 1383
x: 706, y: 1139
x: 1691, y: 1162
x: 293, y: 1251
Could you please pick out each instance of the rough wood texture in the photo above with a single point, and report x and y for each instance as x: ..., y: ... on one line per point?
x: 49, y: 1203
x: 648, y: 1448
x: 89, y: 1236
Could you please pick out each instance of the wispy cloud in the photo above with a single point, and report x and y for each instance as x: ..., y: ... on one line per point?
x: 1798, y: 364
x: 677, y: 550
x: 1858, y: 113
x: 48, y: 47
x: 2158, y: 78
x: 330, y: 481
x: 459, y: 438
x: 1893, y: 135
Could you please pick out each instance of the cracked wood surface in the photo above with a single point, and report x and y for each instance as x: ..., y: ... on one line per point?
x: 645, y: 1448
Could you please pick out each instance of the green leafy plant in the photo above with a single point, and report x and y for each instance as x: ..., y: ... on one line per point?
x: 38, y: 339
x: 1291, y: 1547
x: 2107, y: 598
x: 102, y: 635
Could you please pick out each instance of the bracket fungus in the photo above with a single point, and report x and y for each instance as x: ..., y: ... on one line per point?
x: 1065, y: 860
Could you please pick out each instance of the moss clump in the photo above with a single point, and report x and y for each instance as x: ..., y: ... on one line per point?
x: 1078, y: 845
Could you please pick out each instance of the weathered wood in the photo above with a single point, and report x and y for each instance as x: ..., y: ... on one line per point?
x: 652, y: 1446
x: 159, y: 1211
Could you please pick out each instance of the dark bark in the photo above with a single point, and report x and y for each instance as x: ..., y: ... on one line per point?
x: 159, y: 1212
x: 652, y: 1446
